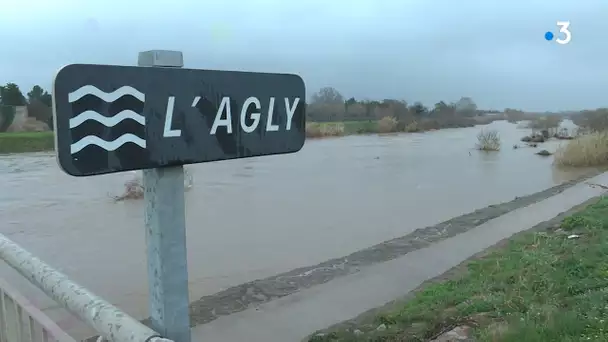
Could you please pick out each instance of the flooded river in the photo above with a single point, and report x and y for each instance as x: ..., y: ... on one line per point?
x: 249, y: 219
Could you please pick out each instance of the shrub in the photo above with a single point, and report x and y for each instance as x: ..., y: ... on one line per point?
x: 387, y: 124
x: 488, y: 140
x: 548, y: 124
x: 317, y: 130
x: 585, y: 150
x: 412, y: 127
x: 332, y: 129
x: 313, y: 129
x: 429, y: 124
x: 41, y: 112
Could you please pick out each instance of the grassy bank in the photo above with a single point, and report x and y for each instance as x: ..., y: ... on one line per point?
x: 539, y: 286
x: 26, y: 142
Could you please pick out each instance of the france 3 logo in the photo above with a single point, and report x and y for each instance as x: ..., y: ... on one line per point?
x: 563, y: 37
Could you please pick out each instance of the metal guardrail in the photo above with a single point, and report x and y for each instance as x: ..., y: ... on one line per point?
x: 21, y: 321
x: 19, y: 317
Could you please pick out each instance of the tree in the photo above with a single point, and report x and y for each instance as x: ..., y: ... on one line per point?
x: 11, y: 95
x: 327, y: 95
x: 466, y: 107
x: 370, y: 105
x: 356, y: 111
x: 593, y: 120
x: 40, y: 111
x: 351, y: 101
x: 399, y: 110
x: 442, y: 109
x: 418, y: 109
x: 514, y: 115
x: 440, y: 106
x: 39, y: 94
x: 383, y: 111
x: 351, y: 108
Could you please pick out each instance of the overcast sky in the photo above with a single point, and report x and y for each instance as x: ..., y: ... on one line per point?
x: 417, y: 50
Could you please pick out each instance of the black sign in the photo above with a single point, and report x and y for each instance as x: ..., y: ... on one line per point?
x: 118, y: 118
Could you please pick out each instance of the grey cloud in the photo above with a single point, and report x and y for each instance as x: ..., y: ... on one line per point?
x: 491, y: 50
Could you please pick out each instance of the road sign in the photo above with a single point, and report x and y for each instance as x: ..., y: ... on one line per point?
x: 118, y: 118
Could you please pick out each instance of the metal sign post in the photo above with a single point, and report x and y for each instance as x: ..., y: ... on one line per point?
x: 165, y: 223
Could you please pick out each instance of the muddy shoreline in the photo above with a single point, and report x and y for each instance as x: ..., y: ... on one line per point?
x: 251, y: 294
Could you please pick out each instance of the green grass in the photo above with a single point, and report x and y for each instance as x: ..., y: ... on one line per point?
x: 539, y: 287
x: 26, y: 142
x: 359, y: 127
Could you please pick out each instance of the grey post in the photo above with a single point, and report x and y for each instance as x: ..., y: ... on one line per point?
x: 165, y: 223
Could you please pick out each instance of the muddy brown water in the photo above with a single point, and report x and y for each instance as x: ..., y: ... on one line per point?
x: 250, y: 219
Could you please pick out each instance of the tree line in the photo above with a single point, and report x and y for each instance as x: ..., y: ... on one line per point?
x: 37, y: 100
x: 327, y: 104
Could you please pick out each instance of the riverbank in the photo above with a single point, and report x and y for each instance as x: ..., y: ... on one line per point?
x: 343, y: 128
x: 546, y: 284
x: 21, y: 142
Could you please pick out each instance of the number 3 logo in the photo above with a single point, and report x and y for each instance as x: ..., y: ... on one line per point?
x: 563, y: 28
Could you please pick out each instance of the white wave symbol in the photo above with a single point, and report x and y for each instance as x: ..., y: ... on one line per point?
x: 108, y: 97
x: 107, y: 145
x: 104, y: 120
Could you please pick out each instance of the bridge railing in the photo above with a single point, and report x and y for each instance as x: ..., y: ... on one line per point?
x: 20, y: 321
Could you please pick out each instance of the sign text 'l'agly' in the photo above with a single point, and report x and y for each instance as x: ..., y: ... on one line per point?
x: 250, y: 109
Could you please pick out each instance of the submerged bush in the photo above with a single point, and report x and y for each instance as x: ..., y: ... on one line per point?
x: 313, y: 129
x: 331, y: 129
x: 412, y: 127
x: 134, y: 188
x: 488, y: 140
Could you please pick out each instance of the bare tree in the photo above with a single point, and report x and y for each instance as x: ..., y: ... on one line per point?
x: 327, y: 95
x: 466, y: 106
x: 593, y: 120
